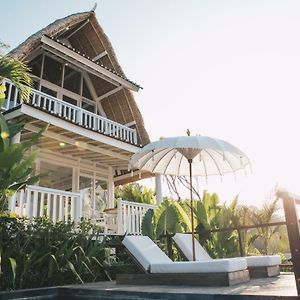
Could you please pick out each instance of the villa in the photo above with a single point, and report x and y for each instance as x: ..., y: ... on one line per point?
x: 95, y: 126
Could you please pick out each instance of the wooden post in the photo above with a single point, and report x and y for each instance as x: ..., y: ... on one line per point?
x: 292, y: 224
x: 240, y: 243
x: 111, y: 188
x: 158, y: 189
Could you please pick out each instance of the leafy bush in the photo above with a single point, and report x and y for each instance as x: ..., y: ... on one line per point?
x: 40, y: 253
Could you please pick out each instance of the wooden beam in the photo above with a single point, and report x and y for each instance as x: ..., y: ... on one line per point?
x: 80, y: 27
x: 100, y: 55
x: 109, y: 93
x: 90, y: 85
x: 75, y: 143
x: 86, y: 62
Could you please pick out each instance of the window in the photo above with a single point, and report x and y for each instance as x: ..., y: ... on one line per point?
x: 72, y: 80
x: 52, y: 71
x: 88, y: 106
x: 48, y: 91
x: 69, y: 100
x: 36, y: 65
x: 85, y: 91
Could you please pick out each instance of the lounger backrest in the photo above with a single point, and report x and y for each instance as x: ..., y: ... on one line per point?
x: 145, y: 251
x: 184, y: 243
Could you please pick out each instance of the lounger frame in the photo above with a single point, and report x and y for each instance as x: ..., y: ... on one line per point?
x: 181, y: 279
x: 185, y: 279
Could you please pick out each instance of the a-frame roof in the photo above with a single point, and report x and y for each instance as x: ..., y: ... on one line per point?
x: 87, y: 37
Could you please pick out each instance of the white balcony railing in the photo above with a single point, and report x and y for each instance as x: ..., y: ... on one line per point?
x: 57, y: 205
x: 130, y: 216
x: 71, y: 113
x: 38, y: 201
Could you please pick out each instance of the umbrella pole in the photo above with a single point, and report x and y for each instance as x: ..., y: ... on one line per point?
x: 192, y: 210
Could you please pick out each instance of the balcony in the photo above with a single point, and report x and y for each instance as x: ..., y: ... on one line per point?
x: 63, y: 206
x: 70, y: 113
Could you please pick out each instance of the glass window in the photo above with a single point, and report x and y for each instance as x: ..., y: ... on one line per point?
x: 52, y: 71
x: 48, y: 91
x: 58, y: 177
x: 88, y: 106
x: 69, y: 100
x: 72, y: 80
x: 36, y: 65
x: 85, y: 91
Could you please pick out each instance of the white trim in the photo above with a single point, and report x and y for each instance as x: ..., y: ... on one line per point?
x: 43, y: 116
x: 109, y: 93
x: 71, y: 54
x: 111, y: 188
x: 71, y: 141
x: 100, y: 55
x: 90, y: 85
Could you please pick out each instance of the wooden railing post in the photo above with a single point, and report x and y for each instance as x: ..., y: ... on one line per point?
x: 120, y: 217
x: 292, y: 224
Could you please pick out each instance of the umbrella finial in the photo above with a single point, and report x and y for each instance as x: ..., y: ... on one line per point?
x: 188, y: 132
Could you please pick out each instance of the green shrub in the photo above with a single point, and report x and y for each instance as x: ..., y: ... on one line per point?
x: 40, y: 253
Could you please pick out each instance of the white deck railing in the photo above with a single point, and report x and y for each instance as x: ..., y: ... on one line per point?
x: 71, y: 113
x: 130, y: 216
x: 38, y: 201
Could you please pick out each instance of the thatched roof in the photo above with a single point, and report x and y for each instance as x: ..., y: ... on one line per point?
x: 87, y: 36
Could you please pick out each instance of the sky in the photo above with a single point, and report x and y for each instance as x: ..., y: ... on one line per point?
x: 226, y: 69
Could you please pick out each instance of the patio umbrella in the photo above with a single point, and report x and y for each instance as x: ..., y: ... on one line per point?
x: 190, y: 156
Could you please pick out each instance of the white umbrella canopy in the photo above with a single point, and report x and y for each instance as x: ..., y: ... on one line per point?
x: 170, y: 156
x: 188, y: 156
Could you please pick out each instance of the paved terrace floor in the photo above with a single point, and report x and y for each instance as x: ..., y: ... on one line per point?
x: 282, y: 287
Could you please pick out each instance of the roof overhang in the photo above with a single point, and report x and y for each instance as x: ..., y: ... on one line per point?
x: 85, y: 63
x: 77, y: 141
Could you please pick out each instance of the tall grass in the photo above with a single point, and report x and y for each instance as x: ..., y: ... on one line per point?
x: 40, y: 253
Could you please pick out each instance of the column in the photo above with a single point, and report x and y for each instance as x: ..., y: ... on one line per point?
x: 111, y: 188
x: 75, y: 189
x: 158, y: 189
x: 12, y: 200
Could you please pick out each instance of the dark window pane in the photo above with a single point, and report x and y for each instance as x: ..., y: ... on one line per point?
x: 69, y: 100
x: 36, y: 65
x: 49, y: 91
x: 72, y: 80
x: 88, y: 106
x: 85, y: 91
x: 52, y: 70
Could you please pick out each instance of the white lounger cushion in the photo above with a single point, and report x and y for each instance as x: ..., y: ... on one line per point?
x: 145, y: 251
x: 263, y: 261
x: 184, y: 242
x: 209, y: 266
x: 153, y: 259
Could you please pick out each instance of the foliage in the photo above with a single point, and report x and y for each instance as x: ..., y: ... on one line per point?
x: 40, y: 253
x: 18, y: 73
x: 136, y: 193
x: 15, y: 168
x: 264, y: 235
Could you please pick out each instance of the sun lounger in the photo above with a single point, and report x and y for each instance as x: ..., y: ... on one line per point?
x: 258, y: 266
x: 159, y: 269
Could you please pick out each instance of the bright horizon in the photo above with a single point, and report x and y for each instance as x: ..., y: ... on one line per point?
x: 229, y: 70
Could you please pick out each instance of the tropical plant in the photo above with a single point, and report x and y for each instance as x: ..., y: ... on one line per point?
x: 17, y: 72
x: 40, y: 253
x: 136, y: 193
x: 15, y: 167
x: 174, y: 216
x: 263, y: 236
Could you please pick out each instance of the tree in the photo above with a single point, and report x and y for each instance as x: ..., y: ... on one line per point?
x: 17, y: 72
x: 265, y: 235
x: 15, y: 168
x: 136, y: 193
